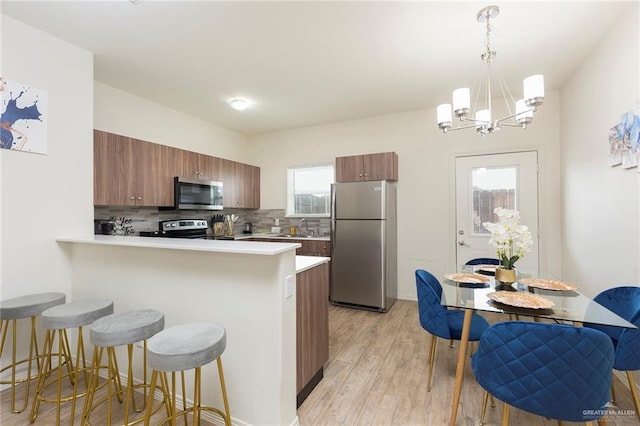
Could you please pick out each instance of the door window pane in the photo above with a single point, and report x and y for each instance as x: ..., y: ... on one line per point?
x: 309, y: 190
x: 492, y: 187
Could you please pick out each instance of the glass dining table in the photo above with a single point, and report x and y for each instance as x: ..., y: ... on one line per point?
x: 569, y: 306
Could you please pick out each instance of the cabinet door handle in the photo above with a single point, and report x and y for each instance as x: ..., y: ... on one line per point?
x: 360, y: 175
x: 139, y: 198
x: 366, y: 175
x: 132, y: 198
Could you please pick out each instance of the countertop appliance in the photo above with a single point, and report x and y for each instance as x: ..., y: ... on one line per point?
x: 363, y: 245
x: 197, y: 194
x: 248, y: 228
x: 103, y: 227
x: 179, y: 228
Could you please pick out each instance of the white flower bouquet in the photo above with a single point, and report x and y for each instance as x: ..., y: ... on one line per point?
x: 511, y: 239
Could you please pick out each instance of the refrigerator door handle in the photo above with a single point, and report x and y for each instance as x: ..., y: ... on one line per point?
x: 332, y: 233
x: 333, y: 201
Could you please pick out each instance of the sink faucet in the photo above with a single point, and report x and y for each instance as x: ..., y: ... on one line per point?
x: 303, y: 221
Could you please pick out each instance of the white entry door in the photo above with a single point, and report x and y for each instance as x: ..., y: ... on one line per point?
x: 485, y: 182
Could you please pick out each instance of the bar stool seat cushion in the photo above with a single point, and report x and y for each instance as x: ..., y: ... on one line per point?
x: 126, y: 328
x: 186, y: 346
x: 76, y: 314
x: 30, y: 305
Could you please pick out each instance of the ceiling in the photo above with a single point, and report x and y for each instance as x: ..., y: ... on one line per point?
x: 305, y: 63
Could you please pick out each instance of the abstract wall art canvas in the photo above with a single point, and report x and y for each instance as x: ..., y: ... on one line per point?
x: 23, y: 118
x: 624, y: 139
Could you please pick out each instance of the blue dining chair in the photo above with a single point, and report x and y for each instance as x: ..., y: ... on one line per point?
x: 624, y: 301
x: 440, y: 321
x: 556, y: 371
x: 483, y: 261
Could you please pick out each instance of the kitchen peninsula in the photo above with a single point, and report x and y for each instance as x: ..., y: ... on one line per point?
x: 240, y: 285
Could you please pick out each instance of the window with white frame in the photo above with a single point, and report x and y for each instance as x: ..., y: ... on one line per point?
x: 309, y: 190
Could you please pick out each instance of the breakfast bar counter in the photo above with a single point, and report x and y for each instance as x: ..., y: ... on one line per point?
x: 239, y: 285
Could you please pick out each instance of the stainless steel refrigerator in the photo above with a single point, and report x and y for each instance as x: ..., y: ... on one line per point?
x: 363, y: 245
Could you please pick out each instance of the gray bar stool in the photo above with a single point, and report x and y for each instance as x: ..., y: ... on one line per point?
x: 11, y: 310
x: 180, y: 348
x: 57, y: 320
x: 119, y: 330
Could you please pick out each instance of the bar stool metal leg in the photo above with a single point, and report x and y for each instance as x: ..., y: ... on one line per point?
x: 33, y: 347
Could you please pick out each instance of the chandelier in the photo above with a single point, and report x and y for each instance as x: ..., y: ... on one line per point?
x: 483, y: 119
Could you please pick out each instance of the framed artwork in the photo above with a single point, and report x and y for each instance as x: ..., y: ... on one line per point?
x: 23, y: 118
x: 624, y: 138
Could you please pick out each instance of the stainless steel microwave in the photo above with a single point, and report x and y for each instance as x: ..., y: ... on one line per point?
x: 197, y: 194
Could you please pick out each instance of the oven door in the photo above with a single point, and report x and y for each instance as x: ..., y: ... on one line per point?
x: 196, y: 194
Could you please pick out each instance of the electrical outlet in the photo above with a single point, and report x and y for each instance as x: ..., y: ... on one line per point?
x: 277, y: 221
x: 288, y: 286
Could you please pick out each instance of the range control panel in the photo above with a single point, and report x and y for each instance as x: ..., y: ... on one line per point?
x: 183, y: 224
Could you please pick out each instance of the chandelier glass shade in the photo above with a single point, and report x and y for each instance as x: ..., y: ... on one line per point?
x: 519, y: 113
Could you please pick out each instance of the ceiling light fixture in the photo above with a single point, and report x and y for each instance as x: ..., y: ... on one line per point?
x: 239, y: 104
x: 483, y: 121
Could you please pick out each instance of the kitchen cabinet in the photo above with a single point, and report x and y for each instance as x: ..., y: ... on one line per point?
x: 312, y: 328
x: 241, y: 185
x: 314, y: 248
x: 356, y: 168
x: 201, y: 166
x: 309, y: 247
x: 130, y: 172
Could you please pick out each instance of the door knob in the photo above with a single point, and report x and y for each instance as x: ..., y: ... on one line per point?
x: 462, y: 243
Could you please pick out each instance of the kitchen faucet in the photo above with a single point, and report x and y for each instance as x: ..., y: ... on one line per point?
x: 304, y: 222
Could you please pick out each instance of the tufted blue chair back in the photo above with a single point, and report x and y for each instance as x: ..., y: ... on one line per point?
x: 557, y: 371
x: 433, y: 316
x: 483, y: 261
x: 624, y: 301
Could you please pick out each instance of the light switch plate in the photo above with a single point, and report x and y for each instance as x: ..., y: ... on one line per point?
x: 288, y: 286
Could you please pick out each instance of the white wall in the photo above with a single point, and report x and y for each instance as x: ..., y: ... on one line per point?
x: 425, y: 187
x: 125, y: 114
x: 601, y: 213
x: 46, y: 196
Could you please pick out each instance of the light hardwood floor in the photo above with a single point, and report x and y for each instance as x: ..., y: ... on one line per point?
x: 377, y: 374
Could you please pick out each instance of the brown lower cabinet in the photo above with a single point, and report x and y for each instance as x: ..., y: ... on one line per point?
x: 312, y: 328
x: 312, y: 316
x: 309, y: 247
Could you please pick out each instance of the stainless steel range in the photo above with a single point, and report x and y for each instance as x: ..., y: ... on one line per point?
x: 180, y: 228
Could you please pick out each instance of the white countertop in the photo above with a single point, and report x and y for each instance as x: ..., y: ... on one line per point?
x: 219, y: 246
x: 307, y: 262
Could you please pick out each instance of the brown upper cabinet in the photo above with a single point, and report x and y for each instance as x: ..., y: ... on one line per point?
x: 241, y: 185
x: 201, y: 166
x: 356, y: 168
x: 131, y: 172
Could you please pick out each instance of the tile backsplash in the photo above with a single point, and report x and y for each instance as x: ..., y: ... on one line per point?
x: 131, y: 220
